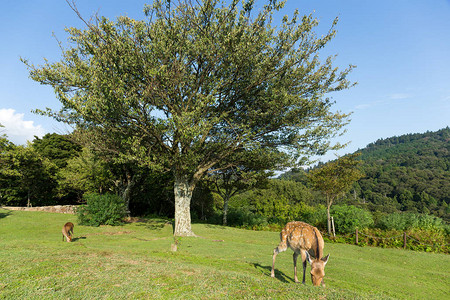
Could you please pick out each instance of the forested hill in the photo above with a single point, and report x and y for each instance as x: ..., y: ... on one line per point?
x: 409, y: 173
x: 428, y: 150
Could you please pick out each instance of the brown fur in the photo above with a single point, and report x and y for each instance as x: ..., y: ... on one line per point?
x: 67, y: 231
x: 303, y: 239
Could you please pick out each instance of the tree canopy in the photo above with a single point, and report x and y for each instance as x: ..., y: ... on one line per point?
x: 334, y: 179
x: 26, y: 178
x: 196, y: 82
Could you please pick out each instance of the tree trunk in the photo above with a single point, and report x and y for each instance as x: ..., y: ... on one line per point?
x: 127, y: 192
x: 183, y: 189
x: 225, y: 209
x: 328, y: 220
x: 29, y: 200
x: 329, y: 202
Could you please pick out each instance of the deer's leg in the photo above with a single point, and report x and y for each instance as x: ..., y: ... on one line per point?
x: 281, y: 247
x: 275, y: 252
x: 304, y: 264
x: 295, y: 256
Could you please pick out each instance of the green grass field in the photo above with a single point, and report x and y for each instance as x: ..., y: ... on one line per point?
x: 134, y: 261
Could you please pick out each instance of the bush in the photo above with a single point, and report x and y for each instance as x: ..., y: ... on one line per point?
x: 281, y: 202
x: 243, y: 217
x: 408, y: 221
x: 315, y: 216
x: 417, y: 239
x: 107, y: 209
x: 348, y: 217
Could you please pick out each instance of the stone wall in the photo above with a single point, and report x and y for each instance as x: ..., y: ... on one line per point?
x: 62, y: 209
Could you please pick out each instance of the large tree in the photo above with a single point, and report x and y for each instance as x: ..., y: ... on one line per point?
x: 57, y: 148
x: 26, y: 178
x: 86, y: 173
x: 197, y: 81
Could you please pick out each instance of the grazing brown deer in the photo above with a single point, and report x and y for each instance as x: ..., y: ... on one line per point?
x: 303, y: 238
x: 67, y: 231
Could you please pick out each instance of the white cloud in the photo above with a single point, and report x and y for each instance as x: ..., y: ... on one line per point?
x: 399, y: 96
x: 388, y: 99
x: 17, y: 129
x: 363, y: 106
x: 368, y: 105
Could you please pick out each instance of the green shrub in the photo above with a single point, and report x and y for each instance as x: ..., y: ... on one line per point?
x: 348, y: 217
x: 282, y: 202
x: 417, y: 239
x: 429, y: 222
x: 243, y: 217
x: 107, y: 209
x: 315, y: 216
x: 408, y: 221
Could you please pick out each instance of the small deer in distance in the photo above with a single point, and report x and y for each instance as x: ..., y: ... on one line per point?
x: 303, y: 239
x: 67, y: 231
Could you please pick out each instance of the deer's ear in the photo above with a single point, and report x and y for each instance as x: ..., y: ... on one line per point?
x: 325, y: 259
x: 308, y: 257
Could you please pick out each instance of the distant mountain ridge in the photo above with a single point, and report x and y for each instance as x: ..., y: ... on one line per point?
x: 409, y: 173
x: 401, y: 149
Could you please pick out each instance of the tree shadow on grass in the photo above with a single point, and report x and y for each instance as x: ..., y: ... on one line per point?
x: 4, y: 214
x: 153, y: 224
x: 216, y: 226
x: 278, y: 274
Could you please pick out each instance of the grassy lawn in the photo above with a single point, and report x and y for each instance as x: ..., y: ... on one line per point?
x: 134, y: 261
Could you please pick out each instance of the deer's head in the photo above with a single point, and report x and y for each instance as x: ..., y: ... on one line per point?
x: 317, y: 268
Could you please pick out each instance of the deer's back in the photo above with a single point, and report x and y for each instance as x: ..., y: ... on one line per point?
x: 68, y: 226
x: 300, y: 235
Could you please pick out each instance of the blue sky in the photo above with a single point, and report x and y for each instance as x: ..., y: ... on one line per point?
x: 401, y: 49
